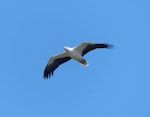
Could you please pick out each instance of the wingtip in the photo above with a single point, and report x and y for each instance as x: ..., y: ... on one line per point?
x: 109, y: 46
x: 46, y: 76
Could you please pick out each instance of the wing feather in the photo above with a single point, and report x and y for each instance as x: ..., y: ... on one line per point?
x: 54, y: 63
x: 84, y: 48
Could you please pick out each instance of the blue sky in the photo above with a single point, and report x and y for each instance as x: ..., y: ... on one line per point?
x: 116, y: 83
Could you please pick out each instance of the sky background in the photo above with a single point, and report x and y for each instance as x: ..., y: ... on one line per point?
x: 117, y: 81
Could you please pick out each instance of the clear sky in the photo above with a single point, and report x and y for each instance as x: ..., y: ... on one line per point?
x: 117, y: 81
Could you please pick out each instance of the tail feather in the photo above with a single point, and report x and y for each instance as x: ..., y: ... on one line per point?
x: 84, y: 62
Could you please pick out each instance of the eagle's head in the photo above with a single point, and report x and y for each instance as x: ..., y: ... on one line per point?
x: 66, y: 48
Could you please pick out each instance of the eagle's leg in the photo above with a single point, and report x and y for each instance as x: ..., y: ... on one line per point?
x: 84, y: 62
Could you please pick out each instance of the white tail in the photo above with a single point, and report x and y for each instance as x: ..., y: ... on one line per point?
x: 84, y: 62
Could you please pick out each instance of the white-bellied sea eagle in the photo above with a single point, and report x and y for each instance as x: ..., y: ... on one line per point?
x: 75, y: 53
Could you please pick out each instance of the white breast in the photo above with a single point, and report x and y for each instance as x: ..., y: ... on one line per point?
x: 75, y: 55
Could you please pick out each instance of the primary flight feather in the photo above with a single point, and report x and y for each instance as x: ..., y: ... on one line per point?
x: 76, y: 53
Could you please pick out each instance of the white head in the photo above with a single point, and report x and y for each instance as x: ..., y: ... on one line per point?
x: 66, y: 48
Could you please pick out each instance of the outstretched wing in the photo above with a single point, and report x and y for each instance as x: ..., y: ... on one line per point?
x: 84, y: 48
x: 53, y: 63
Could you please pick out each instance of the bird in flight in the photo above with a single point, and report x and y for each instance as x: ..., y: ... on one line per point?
x: 75, y: 53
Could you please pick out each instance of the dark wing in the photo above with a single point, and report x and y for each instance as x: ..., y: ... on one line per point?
x: 53, y: 63
x: 86, y: 47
